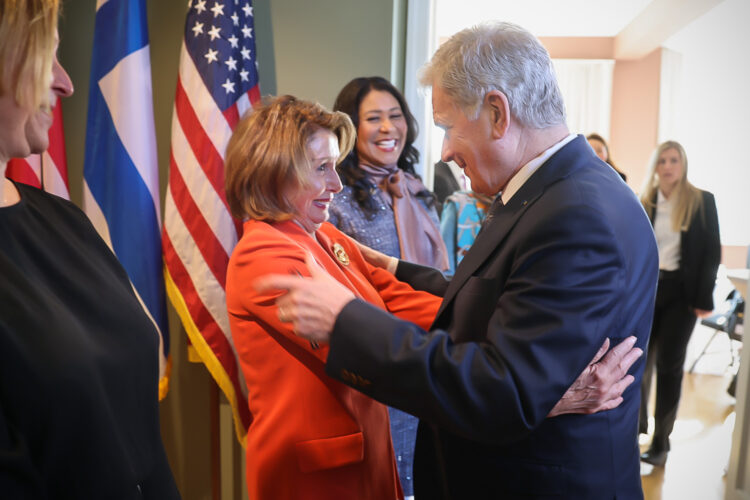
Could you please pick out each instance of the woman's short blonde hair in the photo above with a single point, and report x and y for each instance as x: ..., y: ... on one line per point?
x: 266, y: 158
x: 27, y: 45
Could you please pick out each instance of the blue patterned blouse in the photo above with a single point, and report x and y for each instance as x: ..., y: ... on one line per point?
x: 378, y: 233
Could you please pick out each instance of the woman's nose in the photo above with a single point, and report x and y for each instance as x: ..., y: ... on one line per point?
x: 61, y: 83
x: 334, y: 182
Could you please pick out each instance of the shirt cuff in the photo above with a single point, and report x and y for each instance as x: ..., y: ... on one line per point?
x: 392, y: 265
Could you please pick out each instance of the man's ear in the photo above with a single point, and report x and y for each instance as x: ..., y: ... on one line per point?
x: 499, y: 109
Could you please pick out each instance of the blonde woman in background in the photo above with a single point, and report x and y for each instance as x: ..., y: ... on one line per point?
x: 79, y: 359
x: 687, y: 235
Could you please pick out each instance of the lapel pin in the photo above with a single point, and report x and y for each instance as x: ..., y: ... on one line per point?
x: 340, y: 254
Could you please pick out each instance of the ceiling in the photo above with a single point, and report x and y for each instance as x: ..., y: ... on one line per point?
x: 542, y: 17
x: 636, y: 26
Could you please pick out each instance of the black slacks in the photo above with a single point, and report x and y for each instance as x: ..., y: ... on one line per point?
x: 674, y: 320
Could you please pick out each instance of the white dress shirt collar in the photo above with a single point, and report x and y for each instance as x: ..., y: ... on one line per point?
x: 523, y: 174
x: 668, y: 241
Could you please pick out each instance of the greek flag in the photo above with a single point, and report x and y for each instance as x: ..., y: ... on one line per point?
x: 121, y: 180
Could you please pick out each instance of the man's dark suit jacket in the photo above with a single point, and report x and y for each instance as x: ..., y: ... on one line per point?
x: 570, y: 260
x: 700, y: 253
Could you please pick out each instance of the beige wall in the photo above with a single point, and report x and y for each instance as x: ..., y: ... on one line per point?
x: 635, y: 114
x: 601, y: 47
x: 634, y: 119
x: 320, y: 46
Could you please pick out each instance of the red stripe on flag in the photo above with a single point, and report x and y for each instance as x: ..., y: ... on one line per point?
x: 254, y: 94
x: 20, y: 171
x: 208, y: 158
x: 56, y: 148
x: 203, y: 236
x: 232, y: 115
x: 205, y: 323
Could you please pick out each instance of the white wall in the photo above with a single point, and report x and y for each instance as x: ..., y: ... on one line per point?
x: 713, y: 115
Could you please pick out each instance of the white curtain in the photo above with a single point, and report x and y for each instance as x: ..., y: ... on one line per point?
x: 670, y: 95
x: 586, y: 86
x: 420, y: 44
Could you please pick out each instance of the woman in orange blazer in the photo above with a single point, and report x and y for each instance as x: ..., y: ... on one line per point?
x: 311, y: 436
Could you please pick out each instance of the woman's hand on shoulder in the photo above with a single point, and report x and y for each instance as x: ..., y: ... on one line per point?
x: 375, y: 258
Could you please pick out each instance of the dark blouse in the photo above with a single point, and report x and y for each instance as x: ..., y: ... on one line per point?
x: 79, y: 414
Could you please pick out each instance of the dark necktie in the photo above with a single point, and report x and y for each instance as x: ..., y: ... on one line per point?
x: 496, y: 206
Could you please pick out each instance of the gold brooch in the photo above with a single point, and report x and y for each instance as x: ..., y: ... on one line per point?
x: 340, y: 254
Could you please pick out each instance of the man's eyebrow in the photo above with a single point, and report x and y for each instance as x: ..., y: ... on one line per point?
x: 438, y: 121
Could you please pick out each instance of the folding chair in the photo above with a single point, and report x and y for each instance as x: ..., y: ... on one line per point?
x: 730, y: 322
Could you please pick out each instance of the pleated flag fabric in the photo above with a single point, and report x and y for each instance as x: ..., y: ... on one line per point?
x: 121, y: 178
x: 217, y: 83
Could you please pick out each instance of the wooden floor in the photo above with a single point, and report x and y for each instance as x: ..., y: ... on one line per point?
x: 702, y: 436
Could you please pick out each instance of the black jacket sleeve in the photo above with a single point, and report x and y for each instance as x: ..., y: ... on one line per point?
x: 702, y: 254
x: 423, y: 278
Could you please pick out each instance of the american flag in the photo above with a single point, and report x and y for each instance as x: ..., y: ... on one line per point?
x: 121, y: 177
x: 217, y: 83
x: 49, y: 170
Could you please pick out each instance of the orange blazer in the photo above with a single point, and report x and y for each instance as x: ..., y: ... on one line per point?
x: 311, y: 437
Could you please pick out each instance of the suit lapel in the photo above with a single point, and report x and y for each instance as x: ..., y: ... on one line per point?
x: 502, y: 219
x: 505, y: 217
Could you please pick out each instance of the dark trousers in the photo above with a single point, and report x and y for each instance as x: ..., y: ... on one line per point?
x: 674, y: 321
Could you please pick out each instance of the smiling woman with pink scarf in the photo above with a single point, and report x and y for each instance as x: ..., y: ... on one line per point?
x: 384, y: 204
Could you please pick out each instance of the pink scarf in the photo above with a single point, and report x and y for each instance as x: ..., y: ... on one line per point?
x: 418, y: 237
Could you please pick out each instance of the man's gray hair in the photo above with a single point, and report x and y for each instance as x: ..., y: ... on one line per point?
x: 503, y: 57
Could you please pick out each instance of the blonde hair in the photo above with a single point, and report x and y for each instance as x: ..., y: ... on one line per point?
x: 266, y: 157
x: 688, y: 198
x: 27, y: 45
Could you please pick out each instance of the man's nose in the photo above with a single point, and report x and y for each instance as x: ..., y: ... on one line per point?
x: 446, y: 153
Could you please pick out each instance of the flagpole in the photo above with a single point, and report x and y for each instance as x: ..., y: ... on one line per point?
x: 215, y: 441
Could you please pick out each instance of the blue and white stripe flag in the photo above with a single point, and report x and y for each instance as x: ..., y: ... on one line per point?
x: 121, y: 177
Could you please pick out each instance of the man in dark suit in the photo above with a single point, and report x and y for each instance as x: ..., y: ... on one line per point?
x: 566, y: 259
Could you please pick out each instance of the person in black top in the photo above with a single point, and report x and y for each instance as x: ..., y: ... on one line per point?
x: 444, y: 184
x: 687, y: 236
x: 601, y: 148
x: 79, y: 372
